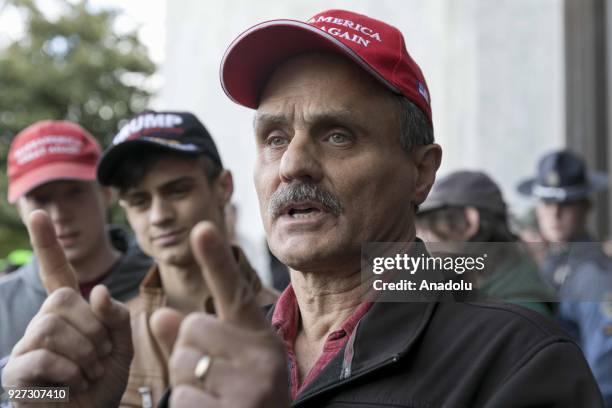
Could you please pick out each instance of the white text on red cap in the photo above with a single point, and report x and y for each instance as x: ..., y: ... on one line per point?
x: 51, y: 144
x: 147, y: 121
x: 337, y: 32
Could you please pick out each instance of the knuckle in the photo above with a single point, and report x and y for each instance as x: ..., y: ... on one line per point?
x: 49, y: 323
x: 84, y: 348
x: 43, y: 334
x: 48, y: 341
x: 96, y: 331
x: 63, y: 298
x: 73, y: 374
x: 195, y: 323
x: 43, y: 361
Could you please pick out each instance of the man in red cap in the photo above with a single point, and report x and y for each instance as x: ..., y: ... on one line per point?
x: 345, y: 155
x: 52, y: 166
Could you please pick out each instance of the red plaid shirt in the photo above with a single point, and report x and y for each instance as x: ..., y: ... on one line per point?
x: 286, y: 319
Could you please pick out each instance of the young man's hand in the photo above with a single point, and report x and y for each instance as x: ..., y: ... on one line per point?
x: 248, y: 367
x: 85, y: 346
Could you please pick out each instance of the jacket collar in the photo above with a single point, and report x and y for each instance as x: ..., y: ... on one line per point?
x: 384, y: 335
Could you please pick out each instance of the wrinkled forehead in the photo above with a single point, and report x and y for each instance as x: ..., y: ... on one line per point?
x: 319, y: 86
x: 294, y: 114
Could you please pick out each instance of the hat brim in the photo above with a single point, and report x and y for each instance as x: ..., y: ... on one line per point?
x: 116, y: 154
x: 251, y: 59
x: 596, y: 181
x: 431, y: 205
x: 48, y: 173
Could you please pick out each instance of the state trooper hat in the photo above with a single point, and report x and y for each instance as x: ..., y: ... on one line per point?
x: 562, y: 176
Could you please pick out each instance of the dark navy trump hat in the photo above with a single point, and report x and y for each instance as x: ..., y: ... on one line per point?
x: 562, y: 176
x: 174, y: 131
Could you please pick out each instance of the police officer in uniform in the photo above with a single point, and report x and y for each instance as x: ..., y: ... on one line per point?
x: 575, y: 263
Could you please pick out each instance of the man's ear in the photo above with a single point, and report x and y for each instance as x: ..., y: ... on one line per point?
x: 472, y: 218
x: 427, y: 160
x: 224, y: 187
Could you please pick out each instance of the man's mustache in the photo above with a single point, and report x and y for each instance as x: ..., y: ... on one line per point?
x: 295, y: 193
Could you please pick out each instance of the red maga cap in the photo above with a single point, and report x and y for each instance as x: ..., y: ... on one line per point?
x: 48, y: 151
x: 375, y: 46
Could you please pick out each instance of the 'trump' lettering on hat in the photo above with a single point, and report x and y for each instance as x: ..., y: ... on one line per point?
x: 338, y: 32
x: 146, y: 122
x: 51, y: 144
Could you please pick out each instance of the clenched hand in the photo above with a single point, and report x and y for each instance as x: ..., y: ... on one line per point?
x: 248, y: 364
x: 85, y: 346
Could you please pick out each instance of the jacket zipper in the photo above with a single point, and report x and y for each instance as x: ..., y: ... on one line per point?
x: 392, y: 360
x: 147, y: 399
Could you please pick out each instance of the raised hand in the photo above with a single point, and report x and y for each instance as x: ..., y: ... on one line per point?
x: 85, y: 346
x: 247, y: 367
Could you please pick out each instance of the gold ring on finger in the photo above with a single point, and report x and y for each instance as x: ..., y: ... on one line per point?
x: 202, y: 367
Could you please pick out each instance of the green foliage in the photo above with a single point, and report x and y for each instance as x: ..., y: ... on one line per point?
x: 73, y: 67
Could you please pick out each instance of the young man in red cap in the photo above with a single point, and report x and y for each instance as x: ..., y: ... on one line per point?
x: 52, y: 166
x: 345, y: 155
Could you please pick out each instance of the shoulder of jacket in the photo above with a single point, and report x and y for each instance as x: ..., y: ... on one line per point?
x: 491, y: 314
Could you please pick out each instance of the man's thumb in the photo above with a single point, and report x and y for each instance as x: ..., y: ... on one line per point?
x: 165, y: 324
x: 116, y: 317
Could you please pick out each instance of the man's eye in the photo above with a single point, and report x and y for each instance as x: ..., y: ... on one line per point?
x: 339, y: 138
x: 179, y: 191
x: 276, y: 141
x: 137, y: 202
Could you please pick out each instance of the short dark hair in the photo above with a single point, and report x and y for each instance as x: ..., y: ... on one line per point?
x: 129, y: 173
x: 415, y: 128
